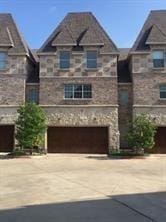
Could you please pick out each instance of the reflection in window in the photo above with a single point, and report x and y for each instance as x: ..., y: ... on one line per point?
x: 77, y: 91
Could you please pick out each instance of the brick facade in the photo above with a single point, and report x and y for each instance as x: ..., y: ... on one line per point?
x: 100, y: 110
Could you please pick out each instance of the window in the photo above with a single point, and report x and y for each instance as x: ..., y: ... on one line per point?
x: 64, y: 60
x: 123, y: 97
x: 33, y: 96
x: 163, y: 92
x: 91, y: 59
x: 3, y: 60
x: 78, y: 91
x: 158, y: 59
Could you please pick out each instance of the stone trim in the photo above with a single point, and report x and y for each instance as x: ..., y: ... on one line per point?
x: 9, y: 106
x: 78, y: 106
x: 68, y: 77
x: 18, y: 53
x: 138, y: 53
x: 46, y: 53
x: 154, y: 43
x: 149, y: 106
x: 32, y: 84
x: 110, y: 53
x: 124, y: 83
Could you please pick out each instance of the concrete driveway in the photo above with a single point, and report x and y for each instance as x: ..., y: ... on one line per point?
x: 82, y: 188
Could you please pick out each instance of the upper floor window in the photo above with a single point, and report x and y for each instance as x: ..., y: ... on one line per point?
x: 91, y: 59
x: 33, y: 95
x: 123, y: 97
x: 3, y: 60
x: 158, y: 59
x: 78, y: 91
x: 64, y: 58
x: 163, y: 91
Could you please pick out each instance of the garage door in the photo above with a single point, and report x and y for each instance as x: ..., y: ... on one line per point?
x: 77, y: 139
x: 160, y: 141
x: 6, y: 138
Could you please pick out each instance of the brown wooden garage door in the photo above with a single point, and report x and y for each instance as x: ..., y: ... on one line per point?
x: 77, y: 139
x: 6, y: 138
x: 160, y: 141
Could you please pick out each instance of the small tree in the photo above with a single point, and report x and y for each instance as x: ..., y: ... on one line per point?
x: 30, y: 126
x: 141, y: 133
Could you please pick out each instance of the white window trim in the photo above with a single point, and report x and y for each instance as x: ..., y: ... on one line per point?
x: 164, y: 57
x: 160, y: 91
x: 87, y: 68
x: 5, y: 60
x: 63, y: 59
x: 82, y: 91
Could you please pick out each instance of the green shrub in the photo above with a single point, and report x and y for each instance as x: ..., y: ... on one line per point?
x: 30, y: 126
x: 141, y: 133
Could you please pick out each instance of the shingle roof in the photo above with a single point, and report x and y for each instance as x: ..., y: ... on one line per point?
x: 79, y: 29
x: 156, y: 36
x: 10, y: 36
x: 154, y: 29
x: 6, y: 39
x: 123, y: 67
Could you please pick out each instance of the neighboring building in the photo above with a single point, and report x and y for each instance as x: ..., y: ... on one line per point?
x: 148, y: 71
x: 17, y: 67
x: 89, y: 89
x: 78, y: 87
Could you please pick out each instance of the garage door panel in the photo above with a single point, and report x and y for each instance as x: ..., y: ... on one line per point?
x: 6, y: 138
x: 77, y: 139
x: 160, y: 140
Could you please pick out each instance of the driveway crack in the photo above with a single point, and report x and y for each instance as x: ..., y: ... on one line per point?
x: 133, y: 209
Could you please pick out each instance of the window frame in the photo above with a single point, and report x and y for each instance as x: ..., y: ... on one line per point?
x: 29, y: 95
x: 164, y: 58
x: 62, y: 60
x: 162, y: 91
x: 73, y: 91
x: 96, y: 60
x: 4, y: 60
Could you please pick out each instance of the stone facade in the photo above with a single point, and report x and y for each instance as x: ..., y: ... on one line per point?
x: 86, y: 116
x: 13, y: 80
x: 16, y: 64
x: 157, y: 113
x: 100, y: 110
x: 8, y: 114
x: 49, y: 65
x: 146, y: 83
x: 12, y: 86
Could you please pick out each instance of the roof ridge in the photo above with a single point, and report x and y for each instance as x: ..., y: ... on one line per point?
x: 105, y: 33
x: 19, y: 35
x: 10, y: 36
x: 69, y: 32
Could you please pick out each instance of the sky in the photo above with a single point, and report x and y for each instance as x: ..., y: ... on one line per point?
x: 122, y: 19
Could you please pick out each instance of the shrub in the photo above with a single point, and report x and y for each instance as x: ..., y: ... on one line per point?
x: 30, y: 126
x: 141, y: 133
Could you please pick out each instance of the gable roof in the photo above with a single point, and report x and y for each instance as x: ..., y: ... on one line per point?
x: 153, y: 31
x: 156, y: 36
x: 5, y: 37
x: 79, y: 29
x: 10, y: 36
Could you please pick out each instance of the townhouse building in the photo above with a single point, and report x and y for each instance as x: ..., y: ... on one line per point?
x: 88, y: 88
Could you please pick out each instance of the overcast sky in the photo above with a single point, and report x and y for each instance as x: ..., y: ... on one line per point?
x: 122, y: 19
